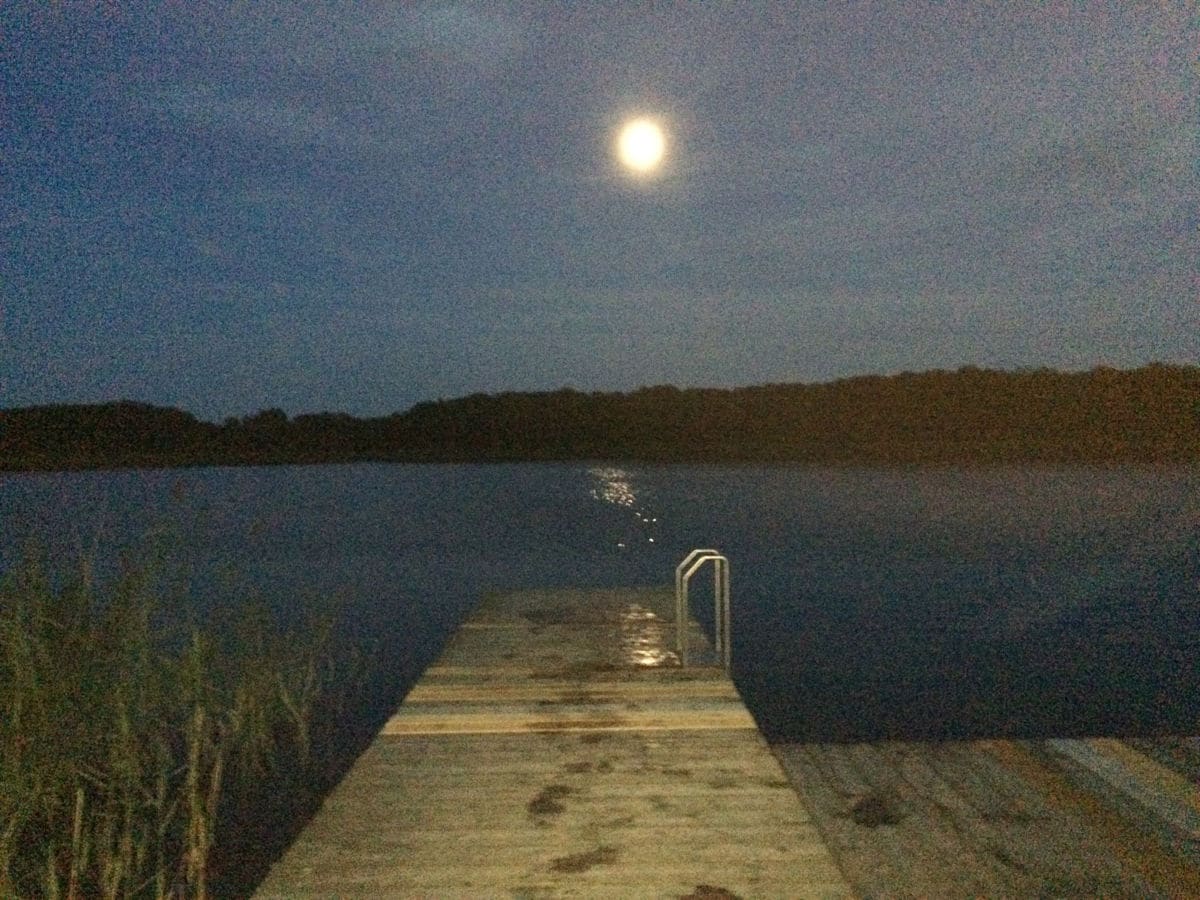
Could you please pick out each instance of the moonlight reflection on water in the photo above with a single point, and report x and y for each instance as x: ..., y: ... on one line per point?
x: 615, y: 486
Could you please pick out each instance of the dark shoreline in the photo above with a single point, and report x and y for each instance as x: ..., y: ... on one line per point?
x: 967, y: 418
x: 843, y: 466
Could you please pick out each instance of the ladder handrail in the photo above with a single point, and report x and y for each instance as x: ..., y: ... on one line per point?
x: 721, y: 612
x: 680, y: 601
x: 700, y: 557
x: 687, y: 559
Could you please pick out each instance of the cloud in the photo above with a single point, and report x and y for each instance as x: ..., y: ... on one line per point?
x: 366, y: 77
x: 260, y: 117
x: 363, y: 36
x: 370, y: 53
x: 471, y: 35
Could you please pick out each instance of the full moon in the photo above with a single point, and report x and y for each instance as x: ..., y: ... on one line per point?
x: 641, y: 145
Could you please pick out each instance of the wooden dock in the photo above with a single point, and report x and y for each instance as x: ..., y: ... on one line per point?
x: 1092, y: 817
x: 557, y: 749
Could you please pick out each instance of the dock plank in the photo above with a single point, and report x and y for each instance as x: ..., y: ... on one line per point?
x: 557, y: 749
x: 996, y: 818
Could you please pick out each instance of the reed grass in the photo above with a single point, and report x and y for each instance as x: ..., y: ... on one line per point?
x: 123, y: 747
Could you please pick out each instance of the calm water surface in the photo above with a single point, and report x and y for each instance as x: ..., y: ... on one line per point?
x: 867, y: 603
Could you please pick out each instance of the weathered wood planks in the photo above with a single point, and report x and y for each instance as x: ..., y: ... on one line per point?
x: 556, y: 749
x: 1002, y: 818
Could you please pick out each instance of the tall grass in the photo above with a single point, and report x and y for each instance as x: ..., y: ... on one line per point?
x: 122, y: 750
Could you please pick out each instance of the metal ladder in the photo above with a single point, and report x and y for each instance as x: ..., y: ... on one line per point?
x: 692, y: 563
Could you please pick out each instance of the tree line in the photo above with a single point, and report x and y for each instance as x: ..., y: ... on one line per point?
x: 966, y: 417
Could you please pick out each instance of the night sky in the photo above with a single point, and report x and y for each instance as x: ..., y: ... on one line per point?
x: 358, y: 207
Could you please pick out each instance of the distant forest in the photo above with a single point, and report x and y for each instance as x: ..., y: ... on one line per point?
x: 970, y: 416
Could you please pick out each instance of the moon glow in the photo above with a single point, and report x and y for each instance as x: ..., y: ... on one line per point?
x: 641, y: 145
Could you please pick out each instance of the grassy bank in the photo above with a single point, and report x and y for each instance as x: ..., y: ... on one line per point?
x: 137, y: 761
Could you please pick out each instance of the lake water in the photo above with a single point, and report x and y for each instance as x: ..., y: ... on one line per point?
x: 866, y: 603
